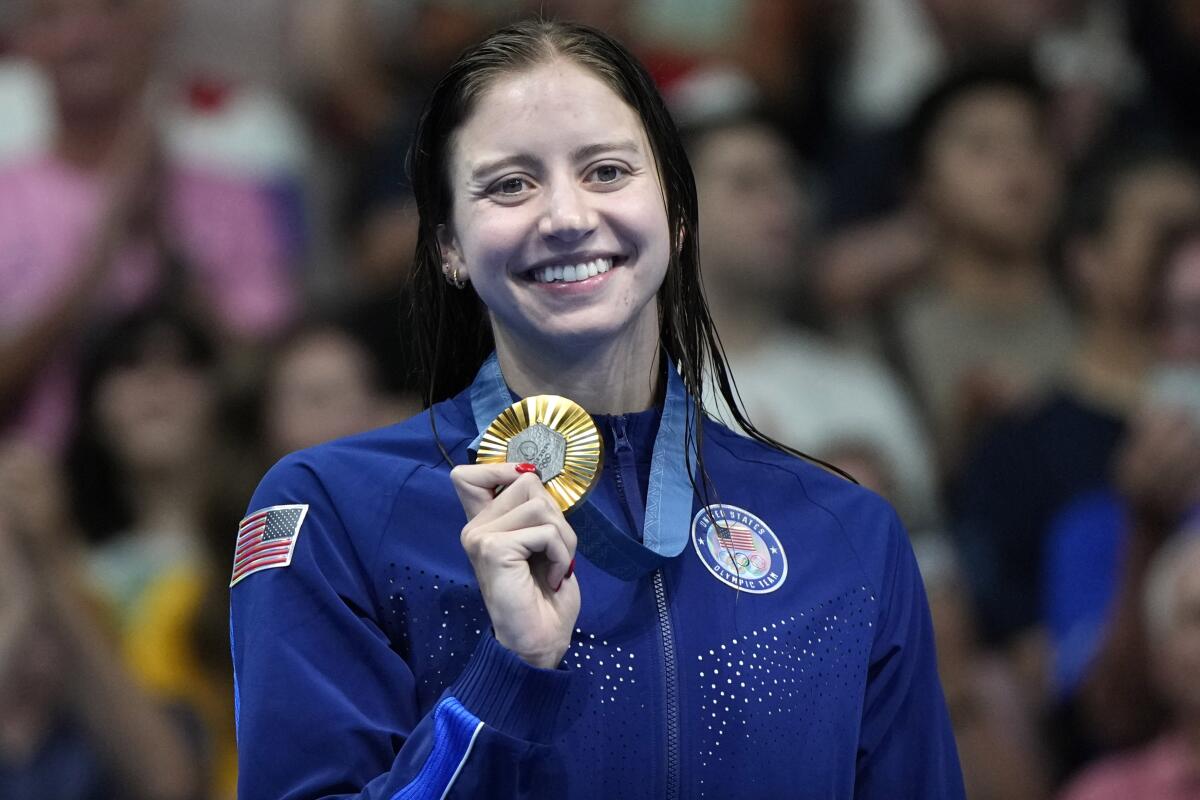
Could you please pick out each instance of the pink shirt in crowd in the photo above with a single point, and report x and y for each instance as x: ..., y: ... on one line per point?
x: 1163, y: 770
x: 225, y: 230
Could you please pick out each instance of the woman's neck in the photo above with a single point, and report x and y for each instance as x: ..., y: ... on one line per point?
x: 167, y: 502
x: 618, y: 376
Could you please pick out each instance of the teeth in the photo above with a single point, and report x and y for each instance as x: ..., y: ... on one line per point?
x: 572, y: 273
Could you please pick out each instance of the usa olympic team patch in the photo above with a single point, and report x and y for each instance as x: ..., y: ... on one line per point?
x: 739, y: 549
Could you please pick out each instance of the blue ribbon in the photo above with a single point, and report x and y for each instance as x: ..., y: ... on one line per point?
x: 669, y: 496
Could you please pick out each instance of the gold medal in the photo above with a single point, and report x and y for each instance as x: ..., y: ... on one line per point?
x: 554, y: 434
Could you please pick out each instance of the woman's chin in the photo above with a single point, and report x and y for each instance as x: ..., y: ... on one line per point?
x: 590, y: 330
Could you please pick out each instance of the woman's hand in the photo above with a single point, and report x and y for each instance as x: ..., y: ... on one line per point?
x: 34, y: 496
x: 523, y: 553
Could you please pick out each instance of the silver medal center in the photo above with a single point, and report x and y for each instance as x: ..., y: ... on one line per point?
x: 538, y: 445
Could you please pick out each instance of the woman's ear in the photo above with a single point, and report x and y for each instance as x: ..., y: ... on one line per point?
x: 453, y: 266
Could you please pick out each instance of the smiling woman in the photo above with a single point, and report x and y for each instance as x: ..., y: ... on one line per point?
x: 561, y: 228
x: 569, y: 137
x: 456, y: 640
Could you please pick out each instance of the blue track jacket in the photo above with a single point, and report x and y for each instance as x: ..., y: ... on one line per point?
x: 784, y: 651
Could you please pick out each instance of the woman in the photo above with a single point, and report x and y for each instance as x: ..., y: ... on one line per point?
x: 151, y: 474
x: 400, y: 629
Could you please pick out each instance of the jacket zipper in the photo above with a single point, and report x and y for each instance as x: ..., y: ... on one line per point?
x: 671, y: 687
x: 626, y: 472
x: 626, y: 475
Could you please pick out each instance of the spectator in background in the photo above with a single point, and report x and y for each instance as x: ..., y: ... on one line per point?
x: 323, y: 385
x: 360, y: 71
x: 155, y: 482
x: 898, y: 50
x: 995, y: 722
x: 74, y: 724
x: 970, y: 310
x: 776, y: 56
x: 1169, y: 767
x: 1099, y: 546
x: 101, y: 223
x: 799, y: 385
x: 1035, y: 461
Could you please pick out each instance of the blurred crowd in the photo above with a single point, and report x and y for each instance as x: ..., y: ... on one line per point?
x: 952, y: 246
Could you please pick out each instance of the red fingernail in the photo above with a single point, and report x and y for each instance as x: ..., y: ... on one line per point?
x: 523, y: 468
x: 570, y: 572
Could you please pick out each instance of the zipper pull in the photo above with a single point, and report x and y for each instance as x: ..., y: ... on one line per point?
x: 621, y: 434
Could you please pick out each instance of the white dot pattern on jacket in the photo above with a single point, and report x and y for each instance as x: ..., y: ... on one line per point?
x: 776, y: 670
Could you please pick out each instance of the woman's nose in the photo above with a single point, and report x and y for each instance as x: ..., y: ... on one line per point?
x: 568, y: 216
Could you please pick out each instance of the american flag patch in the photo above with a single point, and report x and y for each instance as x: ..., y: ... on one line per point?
x: 266, y: 540
x: 735, y: 536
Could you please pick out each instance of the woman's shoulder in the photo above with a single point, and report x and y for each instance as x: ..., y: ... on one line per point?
x: 806, y: 482
x: 343, y: 496
x: 379, y: 458
x: 734, y: 446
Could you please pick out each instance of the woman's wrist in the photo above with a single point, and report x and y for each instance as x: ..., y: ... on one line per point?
x: 510, y: 694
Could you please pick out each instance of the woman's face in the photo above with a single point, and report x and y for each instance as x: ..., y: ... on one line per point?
x: 321, y: 390
x: 1180, y: 323
x: 1145, y: 203
x: 753, y: 210
x: 97, y: 52
x: 558, y: 217
x: 157, y: 413
x: 990, y: 175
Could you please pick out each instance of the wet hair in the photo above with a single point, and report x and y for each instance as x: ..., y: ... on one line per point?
x: 452, y: 335
x: 1010, y: 72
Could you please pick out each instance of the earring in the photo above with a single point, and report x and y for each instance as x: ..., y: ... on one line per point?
x: 452, y: 277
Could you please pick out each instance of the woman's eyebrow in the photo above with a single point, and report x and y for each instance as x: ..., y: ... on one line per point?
x: 526, y: 162
x: 590, y: 150
x: 529, y: 162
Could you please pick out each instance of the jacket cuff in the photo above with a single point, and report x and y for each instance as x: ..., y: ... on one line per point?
x: 510, y: 695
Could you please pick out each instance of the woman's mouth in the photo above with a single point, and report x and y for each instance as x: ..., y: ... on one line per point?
x: 572, y: 273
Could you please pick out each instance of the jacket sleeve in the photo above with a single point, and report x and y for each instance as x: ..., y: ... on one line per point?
x: 906, y: 745
x: 326, y: 708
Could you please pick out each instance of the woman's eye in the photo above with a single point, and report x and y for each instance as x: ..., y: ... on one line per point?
x: 608, y: 173
x: 509, y: 186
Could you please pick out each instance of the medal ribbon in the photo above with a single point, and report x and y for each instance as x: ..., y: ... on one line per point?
x: 668, y: 498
